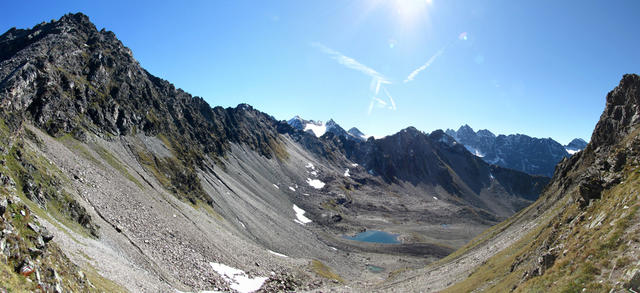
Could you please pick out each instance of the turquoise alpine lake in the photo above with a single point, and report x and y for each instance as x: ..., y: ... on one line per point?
x: 375, y: 236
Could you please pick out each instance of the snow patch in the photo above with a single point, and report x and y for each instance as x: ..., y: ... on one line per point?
x: 474, y: 151
x: 354, y: 165
x: 435, y: 198
x: 291, y: 188
x: 346, y: 173
x: 318, y: 130
x: 571, y: 152
x: 238, y: 279
x: 310, y: 166
x: 314, y: 173
x: 333, y: 248
x: 315, y: 183
x: 276, y: 186
x: 275, y: 253
x: 300, y: 215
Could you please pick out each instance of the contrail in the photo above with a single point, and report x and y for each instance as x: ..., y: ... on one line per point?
x: 463, y: 37
x: 413, y: 74
x: 351, y: 63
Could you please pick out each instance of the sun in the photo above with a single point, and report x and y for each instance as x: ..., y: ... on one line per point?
x: 409, y: 11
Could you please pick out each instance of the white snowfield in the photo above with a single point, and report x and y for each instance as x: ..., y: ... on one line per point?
x: 238, y: 279
x: 571, y: 152
x: 346, y: 173
x: 318, y: 130
x: 315, y: 183
x: 301, y: 219
x: 278, y: 254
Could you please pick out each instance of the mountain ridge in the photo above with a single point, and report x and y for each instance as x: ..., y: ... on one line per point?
x: 536, y: 156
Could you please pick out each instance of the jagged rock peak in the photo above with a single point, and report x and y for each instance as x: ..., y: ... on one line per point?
x: 486, y: 133
x: 78, y: 18
x: 621, y: 115
x: 577, y: 144
x: 355, y: 132
x: 465, y: 129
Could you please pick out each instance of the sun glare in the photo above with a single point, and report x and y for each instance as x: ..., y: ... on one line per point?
x: 409, y: 11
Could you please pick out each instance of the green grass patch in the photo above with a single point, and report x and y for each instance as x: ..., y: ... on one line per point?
x: 78, y: 147
x: 101, y: 283
x: 13, y: 282
x: 116, y: 164
x: 324, y: 271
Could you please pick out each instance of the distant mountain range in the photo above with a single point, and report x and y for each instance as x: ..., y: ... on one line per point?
x: 536, y: 156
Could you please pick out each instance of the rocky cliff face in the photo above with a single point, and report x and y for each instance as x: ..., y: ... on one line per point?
x: 537, y: 156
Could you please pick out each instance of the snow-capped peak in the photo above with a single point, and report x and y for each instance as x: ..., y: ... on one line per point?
x: 318, y: 128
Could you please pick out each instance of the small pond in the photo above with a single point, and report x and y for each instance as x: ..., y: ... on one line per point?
x: 375, y: 269
x: 375, y: 236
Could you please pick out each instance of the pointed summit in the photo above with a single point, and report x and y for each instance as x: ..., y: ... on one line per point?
x: 356, y: 133
x: 621, y: 115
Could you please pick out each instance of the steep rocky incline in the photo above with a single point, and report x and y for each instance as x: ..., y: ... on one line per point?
x: 67, y: 77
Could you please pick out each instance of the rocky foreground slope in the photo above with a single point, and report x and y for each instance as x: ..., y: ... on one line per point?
x: 146, y: 188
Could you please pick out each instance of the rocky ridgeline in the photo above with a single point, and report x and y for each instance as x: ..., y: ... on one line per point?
x: 67, y: 77
x: 536, y: 156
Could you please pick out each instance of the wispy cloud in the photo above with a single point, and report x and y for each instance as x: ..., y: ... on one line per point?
x: 351, y: 63
x: 370, y: 107
x: 393, y: 103
x: 377, y: 79
x: 433, y: 58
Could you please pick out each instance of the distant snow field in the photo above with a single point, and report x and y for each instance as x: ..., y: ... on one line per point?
x: 238, y: 279
x: 301, y: 219
x: 315, y: 183
x: 346, y: 173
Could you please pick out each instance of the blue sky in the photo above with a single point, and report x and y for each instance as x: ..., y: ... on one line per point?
x: 541, y: 68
